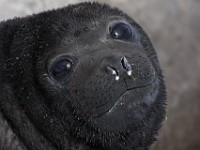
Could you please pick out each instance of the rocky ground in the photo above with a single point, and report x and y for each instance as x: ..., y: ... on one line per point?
x: 174, y: 27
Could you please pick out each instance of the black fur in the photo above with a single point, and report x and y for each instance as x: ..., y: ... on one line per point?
x: 41, y: 112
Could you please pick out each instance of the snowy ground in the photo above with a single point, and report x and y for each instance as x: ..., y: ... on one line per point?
x: 174, y: 27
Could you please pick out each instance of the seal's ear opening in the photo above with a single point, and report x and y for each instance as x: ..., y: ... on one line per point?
x: 7, y: 33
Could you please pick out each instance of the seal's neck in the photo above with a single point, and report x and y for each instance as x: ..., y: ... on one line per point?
x: 17, y: 131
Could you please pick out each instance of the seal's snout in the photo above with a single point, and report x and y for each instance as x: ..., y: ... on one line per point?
x: 135, y: 69
x: 125, y: 67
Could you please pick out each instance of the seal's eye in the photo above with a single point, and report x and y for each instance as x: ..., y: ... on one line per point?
x: 121, y: 31
x: 61, y: 68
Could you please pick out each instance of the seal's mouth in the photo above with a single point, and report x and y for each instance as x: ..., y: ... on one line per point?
x: 130, y: 99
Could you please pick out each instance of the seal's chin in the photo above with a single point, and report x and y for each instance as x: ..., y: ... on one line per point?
x: 132, y: 105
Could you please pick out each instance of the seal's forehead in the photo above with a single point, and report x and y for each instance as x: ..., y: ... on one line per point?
x: 73, y: 21
x: 92, y: 10
x: 87, y: 14
x: 74, y: 16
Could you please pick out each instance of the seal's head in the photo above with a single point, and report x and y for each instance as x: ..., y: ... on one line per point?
x: 93, y: 72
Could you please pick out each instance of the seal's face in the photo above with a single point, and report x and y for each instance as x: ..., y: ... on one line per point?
x: 111, y: 80
x: 98, y: 74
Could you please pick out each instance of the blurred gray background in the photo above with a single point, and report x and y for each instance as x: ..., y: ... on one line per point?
x: 174, y: 28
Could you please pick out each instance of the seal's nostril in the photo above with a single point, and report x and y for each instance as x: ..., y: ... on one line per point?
x: 123, y: 62
x: 114, y: 72
x: 126, y: 65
